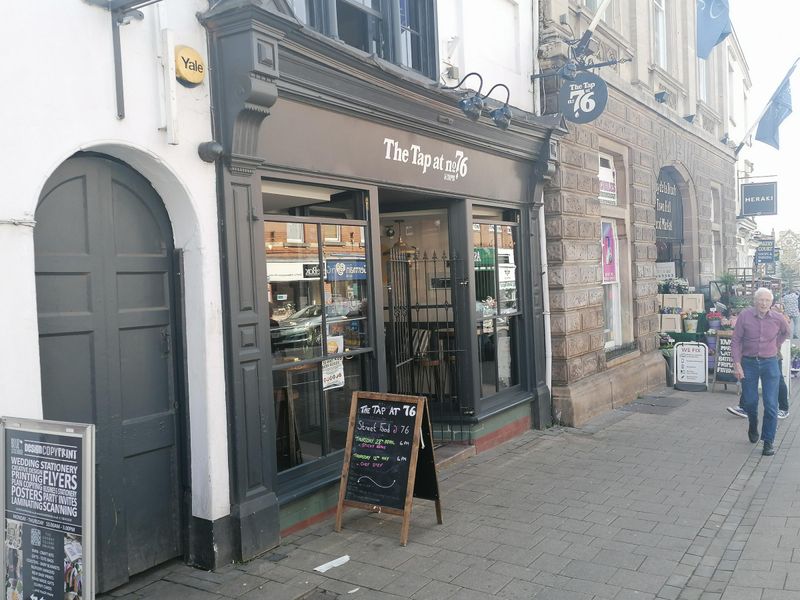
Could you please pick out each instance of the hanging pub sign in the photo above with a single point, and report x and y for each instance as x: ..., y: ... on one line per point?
x: 765, y: 251
x: 669, y: 208
x: 583, y: 99
x: 759, y: 198
x: 48, y: 509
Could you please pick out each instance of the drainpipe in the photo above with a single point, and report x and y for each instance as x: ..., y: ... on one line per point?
x: 537, y: 101
x: 537, y: 110
x: 548, y: 346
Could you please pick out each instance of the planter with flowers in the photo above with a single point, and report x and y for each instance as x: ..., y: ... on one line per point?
x: 714, y: 319
x: 690, y: 319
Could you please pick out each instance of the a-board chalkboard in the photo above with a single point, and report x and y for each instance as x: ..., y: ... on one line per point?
x: 723, y: 364
x: 388, y: 457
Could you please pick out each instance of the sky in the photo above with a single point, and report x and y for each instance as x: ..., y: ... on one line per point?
x: 769, y: 35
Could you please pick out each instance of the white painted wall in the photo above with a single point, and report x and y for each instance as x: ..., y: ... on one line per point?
x: 494, y: 38
x: 58, y: 98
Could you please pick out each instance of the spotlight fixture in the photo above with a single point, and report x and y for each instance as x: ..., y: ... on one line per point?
x: 689, y: 118
x: 568, y: 71
x: 501, y: 115
x: 725, y: 138
x: 662, y: 96
x: 471, y: 105
x: 126, y: 17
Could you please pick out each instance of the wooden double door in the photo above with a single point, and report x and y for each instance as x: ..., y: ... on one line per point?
x: 107, y: 340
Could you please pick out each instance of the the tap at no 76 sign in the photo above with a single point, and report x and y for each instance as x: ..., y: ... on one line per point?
x: 583, y: 99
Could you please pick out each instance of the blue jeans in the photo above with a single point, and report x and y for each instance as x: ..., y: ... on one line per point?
x: 768, y: 370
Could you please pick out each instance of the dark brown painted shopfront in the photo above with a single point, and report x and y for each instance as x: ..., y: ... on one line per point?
x: 302, y: 117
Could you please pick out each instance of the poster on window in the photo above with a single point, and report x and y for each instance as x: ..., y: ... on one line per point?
x: 48, y: 508
x: 609, y: 257
x: 333, y: 368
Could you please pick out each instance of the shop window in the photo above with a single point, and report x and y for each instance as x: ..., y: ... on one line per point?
x: 400, y: 31
x: 702, y: 80
x: 607, y: 174
x: 319, y: 334
x: 660, y: 33
x: 592, y: 6
x: 497, y: 306
x: 612, y: 305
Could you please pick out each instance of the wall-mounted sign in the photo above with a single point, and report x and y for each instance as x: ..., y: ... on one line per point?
x: 759, y: 198
x: 311, y: 270
x: 665, y: 270
x: 345, y: 270
x: 583, y: 99
x: 452, y: 167
x: 48, y: 509
x: 190, y: 69
x: 765, y: 251
x: 669, y: 208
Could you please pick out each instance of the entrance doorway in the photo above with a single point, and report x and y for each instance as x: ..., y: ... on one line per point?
x: 425, y: 286
x: 107, y: 335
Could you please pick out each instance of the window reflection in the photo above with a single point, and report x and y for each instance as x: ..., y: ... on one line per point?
x: 317, y: 286
x: 496, y: 304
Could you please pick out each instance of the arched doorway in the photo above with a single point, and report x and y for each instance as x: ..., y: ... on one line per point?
x: 107, y: 335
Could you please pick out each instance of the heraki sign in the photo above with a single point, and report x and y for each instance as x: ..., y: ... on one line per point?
x: 48, y: 509
x: 583, y: 99
x: 759, y: 198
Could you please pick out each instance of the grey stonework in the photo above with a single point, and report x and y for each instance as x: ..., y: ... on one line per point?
x: 584, y: 383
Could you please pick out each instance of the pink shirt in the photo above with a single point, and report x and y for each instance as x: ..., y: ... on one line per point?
x: 758, y: 336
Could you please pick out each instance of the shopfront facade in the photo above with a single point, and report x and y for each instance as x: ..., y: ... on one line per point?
x: 642, y: 194
x: 375, y: 239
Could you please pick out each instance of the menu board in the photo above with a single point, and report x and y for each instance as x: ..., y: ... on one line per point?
x: 47, y: 550
x: 691, y: 366
x: 723, y: 368
x: 389, y: 457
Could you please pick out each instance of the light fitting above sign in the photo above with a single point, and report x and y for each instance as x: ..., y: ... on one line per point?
x: 583, y: 99
x: 190, y: 69
x: 759, y: 198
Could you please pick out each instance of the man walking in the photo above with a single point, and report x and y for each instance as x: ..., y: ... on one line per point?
x: 790, y: 305
x: 757, y: 338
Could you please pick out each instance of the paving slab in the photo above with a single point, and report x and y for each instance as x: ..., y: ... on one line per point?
x: 663, y: 500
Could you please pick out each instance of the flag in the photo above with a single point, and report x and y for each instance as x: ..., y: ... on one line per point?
x: 713, y: 25
x: 779, y: 107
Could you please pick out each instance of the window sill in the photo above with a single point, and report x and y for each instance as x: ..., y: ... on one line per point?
x: 621, y: 356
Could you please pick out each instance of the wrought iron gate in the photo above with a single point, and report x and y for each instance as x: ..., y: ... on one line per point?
x: 423, y: 343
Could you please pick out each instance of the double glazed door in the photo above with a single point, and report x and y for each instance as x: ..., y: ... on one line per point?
x: 104, y: 286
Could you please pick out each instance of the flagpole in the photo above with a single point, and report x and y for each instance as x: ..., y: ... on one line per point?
x: 766, y: 108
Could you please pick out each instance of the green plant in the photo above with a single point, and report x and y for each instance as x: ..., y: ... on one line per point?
x: 727, y: 279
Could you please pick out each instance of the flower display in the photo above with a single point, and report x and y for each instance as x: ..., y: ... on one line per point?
x: 691, y: 315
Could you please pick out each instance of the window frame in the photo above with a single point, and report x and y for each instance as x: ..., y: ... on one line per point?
x: 390, y: 23
x: 296, y: 481
x: 518, y: 313
x: 660, y: 34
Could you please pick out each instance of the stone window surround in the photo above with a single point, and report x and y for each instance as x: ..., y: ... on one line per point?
x: 620, y: 214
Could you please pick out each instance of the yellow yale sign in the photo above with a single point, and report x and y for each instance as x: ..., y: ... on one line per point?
x: 190, y: 69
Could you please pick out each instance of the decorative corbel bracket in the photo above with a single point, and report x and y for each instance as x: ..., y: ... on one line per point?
x: 244, y: 51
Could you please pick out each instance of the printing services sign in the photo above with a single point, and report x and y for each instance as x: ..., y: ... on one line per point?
x: 48, y: 509
x: 759, y: 198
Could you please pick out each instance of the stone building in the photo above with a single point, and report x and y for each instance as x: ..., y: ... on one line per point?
x: 654, y: 175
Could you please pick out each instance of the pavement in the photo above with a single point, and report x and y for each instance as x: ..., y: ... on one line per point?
x: 664, y: 498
